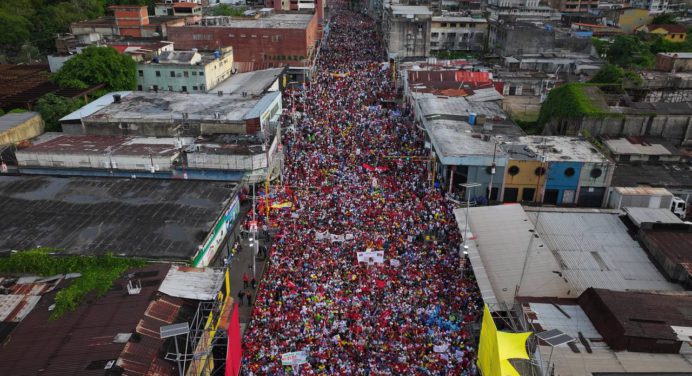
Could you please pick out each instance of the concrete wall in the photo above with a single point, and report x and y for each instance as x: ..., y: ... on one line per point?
x: 396, y: 31
x: 27, y: 158
x: 191, y: 128
x: 31, y: 127
x: 212, y: 161
x: 675, y: 128
x: 669, y: 63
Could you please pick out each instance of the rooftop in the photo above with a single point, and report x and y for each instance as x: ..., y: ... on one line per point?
x: 572, y: 320
x: 562, y: 149
x: 569, y: 251
x: 638, y: 314
x: 166, y: 106
x: 459, y: 19
x: 253, y: 83
x: 9, y: 121
x: 192, y: 283
x: 457, y: 107
x: 94, y: 106
x: 147, y: 218
x: 668, y: 27
x: 674, y: 243
x: 453, y: 138
x: 83, y: 341
x: 102, y: 145
x: 679, y: 55
x: 638, y: 216
x: 273, y: 21
x: 666, y: 175
x: 409, y: 10
x: 640, y: 146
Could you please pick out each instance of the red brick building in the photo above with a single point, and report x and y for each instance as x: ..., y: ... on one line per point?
x: 258, y: 43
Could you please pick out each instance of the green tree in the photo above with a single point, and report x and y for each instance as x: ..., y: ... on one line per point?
x: 629, y: 51
x: 15, y: 31
x: 98, y: 65
x: 52, y: 108
x: 664, y: 19
x: 609, y: 74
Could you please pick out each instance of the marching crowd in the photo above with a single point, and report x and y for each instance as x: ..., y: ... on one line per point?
x: 356, y: 182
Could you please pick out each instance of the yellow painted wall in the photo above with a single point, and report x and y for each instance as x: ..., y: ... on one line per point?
x: 28, y: 129
x: 526, y: 178
x: 631, y: 19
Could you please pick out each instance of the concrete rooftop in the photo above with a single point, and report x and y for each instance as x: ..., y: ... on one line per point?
x: 166, y: 106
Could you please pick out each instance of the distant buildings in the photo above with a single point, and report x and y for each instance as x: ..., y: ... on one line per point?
x: 259, y: 42
x: 406, y: 30
x: 458, y: 33
x: 674, y: 61
x: 185, y: 71
x: 671, y: 33
x: 128, y: 21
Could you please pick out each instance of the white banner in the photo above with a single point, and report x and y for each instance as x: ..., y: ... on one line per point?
x: 371, y: 257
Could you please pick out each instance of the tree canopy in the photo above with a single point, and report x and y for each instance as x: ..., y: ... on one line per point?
x: 629, y: 51
x: 52, y: 108
x: 98, y: 65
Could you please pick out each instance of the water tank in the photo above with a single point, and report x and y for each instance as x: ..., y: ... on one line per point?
x: 472, y: 118
x: 217, y: 54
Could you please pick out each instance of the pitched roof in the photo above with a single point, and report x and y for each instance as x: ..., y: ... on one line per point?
x: 678, y: 29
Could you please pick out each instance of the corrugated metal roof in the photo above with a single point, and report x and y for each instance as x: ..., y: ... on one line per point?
x: 192, y: 283
x: 262, y: 105
x: 94, y: 106
x: 70, y: 344
x: 643, y: 191
x: 595, y: 250
x: 499, y: 237
x: 548, y: 316
x: 651, y: 215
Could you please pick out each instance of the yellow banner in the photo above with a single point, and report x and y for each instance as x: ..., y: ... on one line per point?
x: 496, y: 348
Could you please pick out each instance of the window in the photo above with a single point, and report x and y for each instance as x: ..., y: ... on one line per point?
x: 141, y: 73
x: 185, y: 74
x: 139, y: 87
x: 444, y: 24
x: 596, y: 173
x: 170, y: 88
x: 194, y: 73
x: 201, y: 87
x: 201, y: 73
x: 254, y: 35
x: 242, y: 35
x: 184, y: 89
x: 194, y: 88
x: 172, y: 74
x: 158, y: 74
x: 569, y: 172
x: 434, y: 35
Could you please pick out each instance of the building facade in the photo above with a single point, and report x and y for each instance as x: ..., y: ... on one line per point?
x: 185, y: 71
x: 457, y: 33
x: 406, y: 30
x: 258, y: 43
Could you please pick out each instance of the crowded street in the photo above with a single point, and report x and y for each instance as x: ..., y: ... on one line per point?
x: 364, y: 274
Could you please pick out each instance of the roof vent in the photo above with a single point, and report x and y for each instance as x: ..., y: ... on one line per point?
x: 134, y: 287
x: 116, y: 98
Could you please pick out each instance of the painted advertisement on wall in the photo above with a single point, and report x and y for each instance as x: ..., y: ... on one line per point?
x: 217, y: 235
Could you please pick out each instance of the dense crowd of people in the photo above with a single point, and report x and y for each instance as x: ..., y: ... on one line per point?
x: 354, y: 185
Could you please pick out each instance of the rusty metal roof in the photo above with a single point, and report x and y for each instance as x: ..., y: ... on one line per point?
x: 81, y: 342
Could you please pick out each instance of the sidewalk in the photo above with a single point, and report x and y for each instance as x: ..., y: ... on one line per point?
x: 241, y: 263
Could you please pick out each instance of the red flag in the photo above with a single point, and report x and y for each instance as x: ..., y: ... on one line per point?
x: 234, y: 350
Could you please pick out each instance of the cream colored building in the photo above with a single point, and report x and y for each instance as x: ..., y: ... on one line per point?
x: 458, y: 33
x: 185, y: 71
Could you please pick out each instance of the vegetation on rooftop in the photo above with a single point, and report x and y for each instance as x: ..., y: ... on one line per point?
x: 227, y: 10
x: 52, y: 108
x: 573, y: 101
x: 98, y: 273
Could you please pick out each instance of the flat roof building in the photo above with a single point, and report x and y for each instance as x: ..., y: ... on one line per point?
x: 258, y: 42
x: 151, y: 114
x: 157, y: 219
